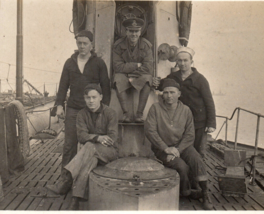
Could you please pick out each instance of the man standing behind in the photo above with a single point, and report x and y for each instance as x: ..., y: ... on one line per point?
x: 133, y: 67
x: 82, y: 68
x: 196, y: 94
x: 169, y: 127
x: 97, y: 131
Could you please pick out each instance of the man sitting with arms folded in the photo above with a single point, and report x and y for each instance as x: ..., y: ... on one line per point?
x: 169, y: 127
x: 97, y: 129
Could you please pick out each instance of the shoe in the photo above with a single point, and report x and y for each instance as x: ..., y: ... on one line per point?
x: 139, y: 119
x: 126, y: 118
x: 196, y: 194
x: 207, y: 203
x: 60, y: 188
x: 195, y: 185
x: 74, y: 205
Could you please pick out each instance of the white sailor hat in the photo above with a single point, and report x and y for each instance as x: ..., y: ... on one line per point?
x: 186, y: 50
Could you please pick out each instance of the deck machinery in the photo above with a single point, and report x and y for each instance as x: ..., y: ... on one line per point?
x: 136, y: 181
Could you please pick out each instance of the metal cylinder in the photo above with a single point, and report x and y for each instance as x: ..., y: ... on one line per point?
x: 255, y: 152
x: 238, y: 113
x: 19, y: 52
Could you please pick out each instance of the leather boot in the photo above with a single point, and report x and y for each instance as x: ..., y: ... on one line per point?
x: 195, y: 185
x: 61, y: 188
x: 126, y: 118
x: 139, y: 118
x: 207, y: 203
x: 123, y: 99
x: 143, y: 98
x: 74, y: 204
x: 196, y: 194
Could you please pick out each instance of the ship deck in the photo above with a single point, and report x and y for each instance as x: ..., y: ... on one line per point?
x: 26, y: 191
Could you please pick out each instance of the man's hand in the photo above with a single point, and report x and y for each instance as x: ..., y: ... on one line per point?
x: 172, y: 151
x: 170, y: 158
x: 60, y: 112
x: 209, y: 129
x: 156, y: 81
x: 139, y: 64
x: 105, y: 140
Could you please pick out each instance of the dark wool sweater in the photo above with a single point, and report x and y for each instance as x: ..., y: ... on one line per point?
x: 196, y: 94
x: 95, y: 71
x: 106, y: 124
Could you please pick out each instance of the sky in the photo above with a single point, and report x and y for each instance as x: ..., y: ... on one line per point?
x: 226, y: 36
x: 47, y: 41
x: 228, y: 39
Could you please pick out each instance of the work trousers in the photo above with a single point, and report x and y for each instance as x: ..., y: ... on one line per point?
x: 70, y: 141
x: 84, y: 162
x: 200, y: 141
x: 189, y: 165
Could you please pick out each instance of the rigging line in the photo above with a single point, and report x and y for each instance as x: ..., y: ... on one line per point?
x: 9, y: 84
x: 8, y: 71
x: 32, y: 68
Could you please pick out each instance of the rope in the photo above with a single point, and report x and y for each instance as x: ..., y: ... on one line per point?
x: 70, y: 26
x: 42, y: 141
x: 220, y: 129
x: 31, y: 68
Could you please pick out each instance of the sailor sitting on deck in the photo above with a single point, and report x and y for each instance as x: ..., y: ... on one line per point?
x: 170, y: 129
x: 97, y: 129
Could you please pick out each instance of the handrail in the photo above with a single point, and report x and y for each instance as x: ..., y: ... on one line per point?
x: 48, y: 109
x: 238, y: 109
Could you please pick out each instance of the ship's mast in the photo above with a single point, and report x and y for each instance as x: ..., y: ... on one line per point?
x: 19, y: 52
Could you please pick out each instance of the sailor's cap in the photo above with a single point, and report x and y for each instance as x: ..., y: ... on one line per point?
x: 168, y: 82
x: 133, y: 23
x: 186, y: 50
x: 85, y: 33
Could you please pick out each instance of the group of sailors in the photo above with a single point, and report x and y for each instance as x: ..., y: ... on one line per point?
x: 176, y: 126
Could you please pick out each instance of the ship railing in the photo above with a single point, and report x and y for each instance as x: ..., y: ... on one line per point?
x: 38, y: 111
x: 238, y: 109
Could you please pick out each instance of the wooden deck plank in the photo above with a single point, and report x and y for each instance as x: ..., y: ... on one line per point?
x: 7, y: 200
x: 238, y: 207
x: 36, y: 200
x: 28, y: 200
x: 17, y: 201
x: 220, y: 207
x: 66, y: 201
x: 49, y: 165
x: 45, y: 204
x: 56, y: 205
x: 255, y: 200
x: 44, y: 167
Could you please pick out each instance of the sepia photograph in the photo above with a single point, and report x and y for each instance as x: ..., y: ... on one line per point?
x: 131, y: 105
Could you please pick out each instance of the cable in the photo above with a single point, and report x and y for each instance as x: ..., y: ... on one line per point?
x: 70, y: 26
x: 32, y: 68
x: 9, y: 84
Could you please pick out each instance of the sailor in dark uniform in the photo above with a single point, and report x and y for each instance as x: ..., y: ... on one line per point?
x: 133, y: 66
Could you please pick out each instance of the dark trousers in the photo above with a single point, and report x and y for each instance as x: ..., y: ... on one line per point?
x: 200, y: 141
x: 70, y: 141
x: 189, y: 165
x: 143, y: 98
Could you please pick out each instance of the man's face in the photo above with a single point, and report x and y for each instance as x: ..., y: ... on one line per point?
x: 84, y: 45
x: 171, y: 95
x: 184, y: 61
x: 93, y: 99
x: 133, y: 35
